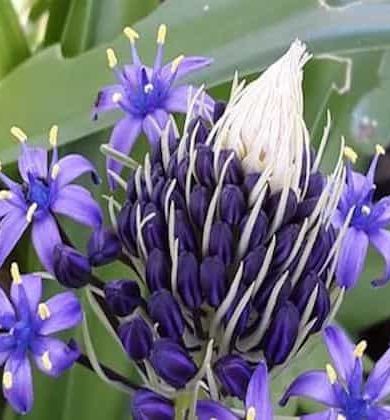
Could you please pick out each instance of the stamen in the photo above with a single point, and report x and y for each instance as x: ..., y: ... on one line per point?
x: 30, y: 212
x: 332, y: 375
x: 15, y: 273
x: 43, y: 311
x: 366, y: 210
x: 350, y: 154
x: 55, y: 171
x: 7, y: 380
x: 148, y: 88
x: 176, y: 63
x: 379, y: 149
x: 341, y: 417
x: 116, y: 97
x: 5, y: 195
x: 251, y: 414
x: 131, y: 34
x: 111, y: 58
x: 53, y: 135
x: 360, y: 349
x: 47, y: 364
x: 19, y: 134
x: 162, y: 33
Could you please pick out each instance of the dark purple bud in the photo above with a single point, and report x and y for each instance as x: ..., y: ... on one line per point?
x: 184, y: 232
x: 164, y: 310
x: 199, y: 204
x: 147, y: 405
x: 234, y: 373
x: 175, y: 196
x: 281, y: 334
x: 285, y: 241
x: 204, y: 166
x: 158, y: 271
x: 122, y: 296
x: 321, y: 249
x: 201, y: 133
x: 172, y: 363
x: 244, y: 316
x: 259, y: 230
x: 316, y: 185
x: 103, y: 247
x: 221, y: 242
x: 127, y: 227
x: 157, y: 193
x: 252, y: 264
x: 71, y: 268
x: 232, y: 204
x: 154, y: 232
x: 262, y: 296
x: 188, y: 280
x: 182, y: 171
x: 305, y: 208
x: 321, y: 308
x: 219, y: 109
x: 137, y: 338
x: 250, y: 181
x: 234, y: 171
x: 213, y: 279
x: 131, y: 191
x: 291, y: 206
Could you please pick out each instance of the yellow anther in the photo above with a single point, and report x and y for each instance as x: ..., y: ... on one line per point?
x: 111, y: 58
x: 116, y: 97
x: 5, y: 195
x: 360, y: 349
x: 332, y: 375
x: 43, y: 311
x: 176, y: 63
x: 162, y: 33
x: 30, y: 212
x: 379, y: 149
x: 55, y: 171
x: 15, y: 273
x: 131, y: 34
x: 350, y: 154
x: 47, y: 364
x: 7, y: 380
x: 19, y: 134
x: 251, y: 414
x: 53, y: 135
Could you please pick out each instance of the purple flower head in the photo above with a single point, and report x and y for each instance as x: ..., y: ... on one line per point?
x: 27, y: 326
x: 147, y: 95
x: 368, y: 221
x: 257, y: 401
x: 46, y: 190
x: 342, y: 387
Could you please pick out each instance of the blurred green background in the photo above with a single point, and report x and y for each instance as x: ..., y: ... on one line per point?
x: 52, y: 64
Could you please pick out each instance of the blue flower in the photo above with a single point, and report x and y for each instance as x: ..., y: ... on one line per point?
x: 147, y: 95
x: 257, y: 402
x: 367, y: 225
x: 27, y: 326
x: 341, y: 388
x: 46, y: 190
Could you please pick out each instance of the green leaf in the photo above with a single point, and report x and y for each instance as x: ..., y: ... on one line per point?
x: 13, y: 44
x: 50, y: 89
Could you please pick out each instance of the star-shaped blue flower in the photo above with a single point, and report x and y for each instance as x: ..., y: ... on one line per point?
x: 367, y: 225
x: 46, y: 190
x: 341, y: 388
x: 27, y: 326
x: 148, y: 95
x: 257, y: 402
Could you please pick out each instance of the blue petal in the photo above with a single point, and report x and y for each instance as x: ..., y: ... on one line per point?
x: 73, y: 166
x: 45, y: 237
x: 53, y: 356
x: 104, y: 101
x: 341, y: 350
x: 123, y: 137
x: 352, y: 257
x: 32, y: 160
x: 30, y: 289
x: 378, y: 382
x: 257, y: 395
x: 7, y: 313
x: 323, y: 415
x: 207, y: 409
x: 12, y: 227
x: 154, y: 124
x: 78, y: 204
x: 187, y: 65
x: 19, y: 392
x: 314, y: 385
x: 65, y: 312
x: 378, y: 413
x: 381, y: 241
